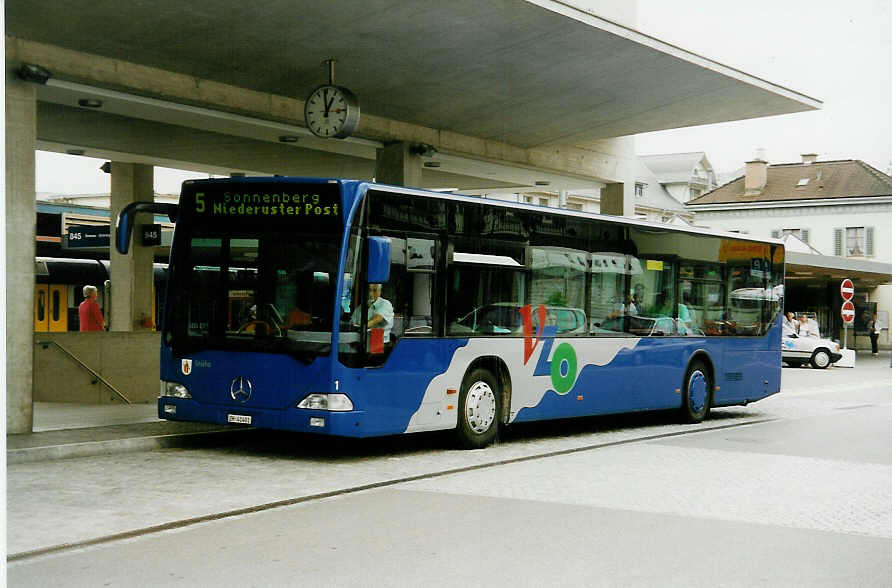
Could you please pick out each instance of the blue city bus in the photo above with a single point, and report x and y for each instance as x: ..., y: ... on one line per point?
x: 356, y: 309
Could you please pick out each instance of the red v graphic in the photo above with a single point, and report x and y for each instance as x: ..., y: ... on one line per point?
x: 529, y: 343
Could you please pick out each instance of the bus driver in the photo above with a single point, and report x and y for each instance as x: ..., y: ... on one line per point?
x: 380, y: 312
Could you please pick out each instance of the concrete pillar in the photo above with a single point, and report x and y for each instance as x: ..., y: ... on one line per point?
x: 562, y: 199
x: 396, y: 165
x: 618, y: 199
x: 131, y: 274
x: 21, y: 215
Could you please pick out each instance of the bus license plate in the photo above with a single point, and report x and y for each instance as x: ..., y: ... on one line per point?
x: 242, y: 419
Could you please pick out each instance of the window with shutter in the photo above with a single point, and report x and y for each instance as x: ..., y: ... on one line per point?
x: 775, y: 233
x: 855, y: 242
x: 837, y: 241
x: 868, y: 245
x: 804, y: 235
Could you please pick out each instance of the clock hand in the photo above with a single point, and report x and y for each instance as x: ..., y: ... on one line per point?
x: 325, y: 103
x: 328, y: 103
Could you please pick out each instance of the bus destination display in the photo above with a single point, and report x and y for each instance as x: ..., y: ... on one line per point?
x: 308, y: 204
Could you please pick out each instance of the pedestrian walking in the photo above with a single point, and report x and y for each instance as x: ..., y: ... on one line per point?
x: 874, y: 332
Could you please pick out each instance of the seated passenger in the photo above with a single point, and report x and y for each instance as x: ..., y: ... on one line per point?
x: 625, y: 308
x: 808, y: 328
x: 790, y: 323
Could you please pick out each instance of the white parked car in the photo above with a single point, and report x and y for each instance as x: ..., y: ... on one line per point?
x: 797, y: 351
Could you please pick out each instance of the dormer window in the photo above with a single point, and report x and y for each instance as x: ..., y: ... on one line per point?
x: 802, y: 183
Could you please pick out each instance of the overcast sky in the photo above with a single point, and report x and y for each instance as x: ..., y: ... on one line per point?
x: 839, y: 52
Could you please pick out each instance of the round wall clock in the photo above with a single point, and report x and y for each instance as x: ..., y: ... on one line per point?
x: 332, y: 112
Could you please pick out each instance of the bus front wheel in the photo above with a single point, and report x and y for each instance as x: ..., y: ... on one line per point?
x: 478, y: 409
x: 697, y: 393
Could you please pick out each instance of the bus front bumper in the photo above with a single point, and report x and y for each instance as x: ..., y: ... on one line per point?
x: 344, y: 424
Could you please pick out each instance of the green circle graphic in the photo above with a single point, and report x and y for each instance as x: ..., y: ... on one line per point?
x: 563, y: 383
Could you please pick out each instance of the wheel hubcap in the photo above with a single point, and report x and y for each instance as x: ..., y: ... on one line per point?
x: 822, y: 359
x: 480, y: 407
x: 697, y: 391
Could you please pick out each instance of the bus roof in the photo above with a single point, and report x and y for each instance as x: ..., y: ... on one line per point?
x: 567, y: 212
x: 363, y: 186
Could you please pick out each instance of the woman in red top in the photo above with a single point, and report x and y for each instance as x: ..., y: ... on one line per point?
x: 89, y: 311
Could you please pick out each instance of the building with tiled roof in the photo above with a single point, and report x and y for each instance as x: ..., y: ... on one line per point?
x: 684, y: 176
x: 841, y: 209
x: 801, y: 182
x: 653, y: 201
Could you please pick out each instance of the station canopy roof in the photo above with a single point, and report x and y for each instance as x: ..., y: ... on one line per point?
x: 524, y: 72
x: 808, y: 268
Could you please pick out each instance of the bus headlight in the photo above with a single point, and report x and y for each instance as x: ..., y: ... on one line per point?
x: 330, y: 402
x: 173, y: 390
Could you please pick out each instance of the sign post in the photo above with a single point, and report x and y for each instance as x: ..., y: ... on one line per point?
x: 848, y: 315
x: 847, y: 291
x: 847, y: 311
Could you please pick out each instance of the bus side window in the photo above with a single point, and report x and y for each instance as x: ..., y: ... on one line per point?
x: 558, y: 280
x: 421, y: 264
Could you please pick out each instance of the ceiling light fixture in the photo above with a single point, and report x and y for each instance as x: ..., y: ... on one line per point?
x: 431, y: 164
x: 31, y: 72
x: 75, y: 151
x: 287, y: 139
x: 423, y: 149
x: 542, y: 182
x: 90, y: 103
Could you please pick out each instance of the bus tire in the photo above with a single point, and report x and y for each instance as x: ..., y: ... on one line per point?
x: 696, y: 392
x: 820, y: 359
x: 478, y: 409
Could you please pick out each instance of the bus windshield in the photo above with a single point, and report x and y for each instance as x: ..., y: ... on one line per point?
x: 254, y: 268
x: 263, y: 291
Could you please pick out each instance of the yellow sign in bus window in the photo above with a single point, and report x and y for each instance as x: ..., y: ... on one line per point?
x: 655, y: 265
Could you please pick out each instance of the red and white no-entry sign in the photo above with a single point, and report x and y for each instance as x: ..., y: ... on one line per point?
x: 847, y: 289
x: 848, y: 312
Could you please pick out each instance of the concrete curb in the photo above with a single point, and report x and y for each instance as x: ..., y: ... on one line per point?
x: 122, y: 445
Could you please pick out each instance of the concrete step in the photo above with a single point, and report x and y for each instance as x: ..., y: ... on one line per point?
x: 118, y: 438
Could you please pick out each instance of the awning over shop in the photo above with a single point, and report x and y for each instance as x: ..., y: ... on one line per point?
x: 804, y: 268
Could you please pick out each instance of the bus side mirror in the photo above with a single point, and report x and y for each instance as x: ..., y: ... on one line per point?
x: 124, y: 223
x: 379, y: 260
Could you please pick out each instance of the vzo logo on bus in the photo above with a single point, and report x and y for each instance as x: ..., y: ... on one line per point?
x: 563, y: 366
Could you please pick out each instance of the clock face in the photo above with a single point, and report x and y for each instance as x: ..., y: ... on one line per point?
x: 331, y: 112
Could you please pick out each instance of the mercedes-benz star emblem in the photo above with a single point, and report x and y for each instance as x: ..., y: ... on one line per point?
x: 241, y: 389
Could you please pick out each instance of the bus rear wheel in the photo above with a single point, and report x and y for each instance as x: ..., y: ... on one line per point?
x: 697, y: 393
x: 478, y: 409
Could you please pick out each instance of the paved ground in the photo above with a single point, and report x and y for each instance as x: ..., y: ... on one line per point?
x: 813, y: 470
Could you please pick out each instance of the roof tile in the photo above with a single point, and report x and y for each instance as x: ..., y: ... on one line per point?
x: 850, y: 178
